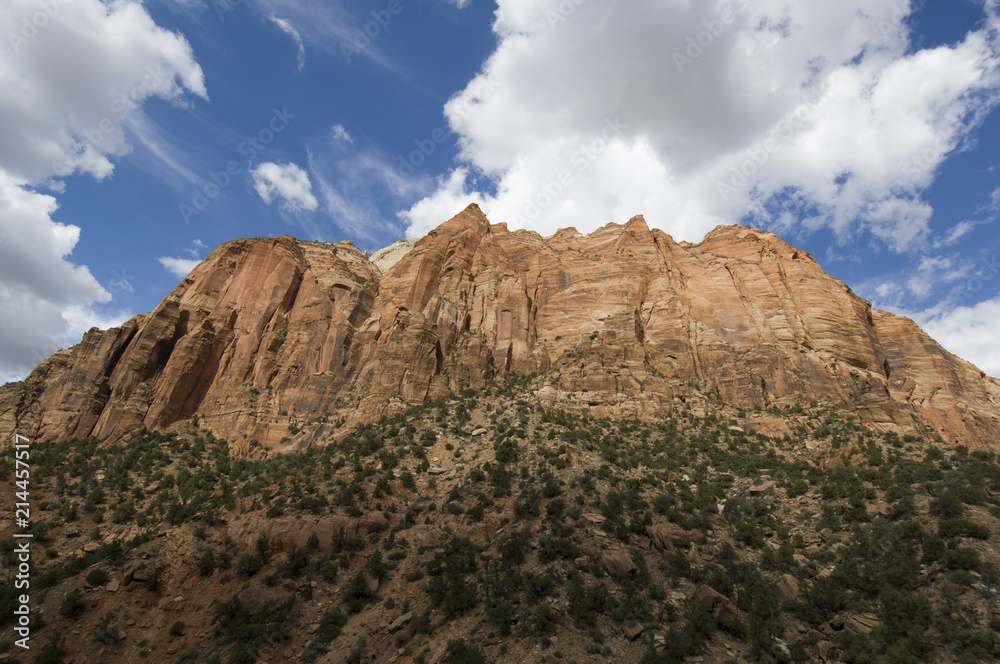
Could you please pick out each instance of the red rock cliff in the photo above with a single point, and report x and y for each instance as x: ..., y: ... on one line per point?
x: 269, y: 334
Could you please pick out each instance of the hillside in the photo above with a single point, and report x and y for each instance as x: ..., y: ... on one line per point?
x: 487, y: 528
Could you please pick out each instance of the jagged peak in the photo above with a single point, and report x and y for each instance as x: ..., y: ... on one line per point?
x: 638, y: 221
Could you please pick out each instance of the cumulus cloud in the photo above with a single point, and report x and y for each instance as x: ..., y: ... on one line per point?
x: 72, y: 83
x: 287, y: 27
x: 786, y: 115
x: 968, y: 331
x: 71, y: 86
x: 179, y: 267
x: 287, y: 181
x: 39, y: 288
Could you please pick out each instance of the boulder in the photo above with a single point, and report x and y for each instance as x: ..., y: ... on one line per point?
x: 787, y: 588
x: 722, y: 607
x: 660, y: 534
x: 615, y: 562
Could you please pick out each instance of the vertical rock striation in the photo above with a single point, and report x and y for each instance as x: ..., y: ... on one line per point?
x: 268, y: 334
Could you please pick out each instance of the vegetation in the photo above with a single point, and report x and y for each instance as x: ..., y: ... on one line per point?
x: 883, y: 545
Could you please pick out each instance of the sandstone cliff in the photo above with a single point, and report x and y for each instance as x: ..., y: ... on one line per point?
x: 276, y: 340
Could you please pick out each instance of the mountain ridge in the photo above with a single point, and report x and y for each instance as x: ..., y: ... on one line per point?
x: 282, y: 340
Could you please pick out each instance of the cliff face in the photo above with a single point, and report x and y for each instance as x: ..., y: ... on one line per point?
x: 267, y: 335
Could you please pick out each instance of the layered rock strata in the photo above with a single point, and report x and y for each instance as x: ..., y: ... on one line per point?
x: 280, y: 341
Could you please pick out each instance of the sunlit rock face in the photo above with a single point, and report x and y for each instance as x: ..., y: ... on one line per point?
x: 279, y: 341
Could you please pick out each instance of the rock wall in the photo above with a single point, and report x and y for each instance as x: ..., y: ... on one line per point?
x: 267, y: 335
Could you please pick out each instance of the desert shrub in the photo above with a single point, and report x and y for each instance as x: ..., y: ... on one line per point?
x: 249, y: 564
x: 962, y: 528
x: 72, y: 605
x: 97, y: 577
x: 330, y: 626
x: 460, y: 653
x: 206, y: 564
x: 544, y: 620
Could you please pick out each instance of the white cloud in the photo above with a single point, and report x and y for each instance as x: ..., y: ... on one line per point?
x: 287, y: 27
x: 195, y: 248
x: 80, y: 318
x: 969, y: 332
x: 340, y: 134
x: 179, y: 267
x: 39, y: 289
x: 71, y: 85
x: 349, y: 188
x: 333, y: 27
x: 656, y: 107
x: 288, y: 181
x: 957, y: 232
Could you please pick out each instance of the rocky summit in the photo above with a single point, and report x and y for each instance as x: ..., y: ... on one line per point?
x: 280, y: 343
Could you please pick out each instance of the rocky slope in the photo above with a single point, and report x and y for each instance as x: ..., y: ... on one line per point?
x: 280, y: 341
x: 486, y: 528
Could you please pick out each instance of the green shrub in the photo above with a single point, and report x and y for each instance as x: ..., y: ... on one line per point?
x: 105, y: 633
x: 798, y: 488
x: 330, y: 626
x: 206, y: 565
x: 947, y: 506
x: 961, y: 558
x: 97, y: 577
x: 52, y: 652
x: 356, y: 594
x: 460, y: 653
x: 544, y: 620
x: 962, y: 528
x: 934, y: 549
x: 72, y: 605
x: 249, y: 564
x: 154, y: 580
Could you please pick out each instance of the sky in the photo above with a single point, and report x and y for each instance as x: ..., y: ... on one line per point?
x: 137, y: 137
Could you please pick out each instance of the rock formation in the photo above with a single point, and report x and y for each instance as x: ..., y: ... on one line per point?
x: 280, y: 341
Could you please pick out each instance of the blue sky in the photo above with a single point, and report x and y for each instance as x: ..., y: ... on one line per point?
x: 135, y: 138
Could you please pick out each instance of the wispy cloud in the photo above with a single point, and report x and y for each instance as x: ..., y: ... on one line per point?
x: 287, y: 27
x: 339, y: 133
x: 344, y: 30
x: 348, y: 187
